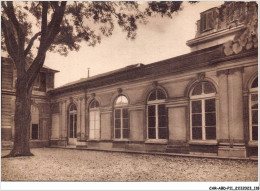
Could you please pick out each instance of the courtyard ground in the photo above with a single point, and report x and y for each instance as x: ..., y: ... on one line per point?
x: 55, y: 164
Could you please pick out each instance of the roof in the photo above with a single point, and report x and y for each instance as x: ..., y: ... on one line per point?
x: 198, y: 59
x: 103, y: 74
x: 44, y: 67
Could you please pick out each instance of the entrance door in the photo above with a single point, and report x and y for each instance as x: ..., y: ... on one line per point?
x: 72, y: 131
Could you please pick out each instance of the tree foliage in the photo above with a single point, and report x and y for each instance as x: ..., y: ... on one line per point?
x: 81, y: 21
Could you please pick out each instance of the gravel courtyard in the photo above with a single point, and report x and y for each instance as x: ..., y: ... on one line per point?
x: 51, y: 164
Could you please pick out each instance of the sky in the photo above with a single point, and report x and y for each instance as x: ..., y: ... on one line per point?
x: 160, y: 39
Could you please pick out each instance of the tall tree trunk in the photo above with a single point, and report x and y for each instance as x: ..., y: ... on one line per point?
x: 22, y: 121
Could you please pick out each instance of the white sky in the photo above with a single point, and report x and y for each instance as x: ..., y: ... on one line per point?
x: 160, y: 39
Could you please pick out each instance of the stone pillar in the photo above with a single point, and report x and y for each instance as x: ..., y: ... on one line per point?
x: 136, y: 125
x: 65, y: 132
x: 235, y: 91
x: 231, y: 114
x: 223, y: 132
x: 64, y: 121
x: 87, y: 121
x: 78, y: 119
x: 178, y: 127
x: 83, y: 118
x: 106, y: 127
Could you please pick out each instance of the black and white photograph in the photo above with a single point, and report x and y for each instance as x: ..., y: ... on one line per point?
x: 129, y: 92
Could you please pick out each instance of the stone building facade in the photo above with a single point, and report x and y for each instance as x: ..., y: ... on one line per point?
x: 204, y: 102
x: 40, y: 108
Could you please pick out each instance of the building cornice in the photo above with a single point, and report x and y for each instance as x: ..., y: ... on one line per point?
x: 214, y: 36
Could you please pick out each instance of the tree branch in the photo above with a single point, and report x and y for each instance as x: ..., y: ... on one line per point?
x: 9, y: 38
x: 27, y: 50
x: 11, y: 15
x: 44, y: 19
x: 52, y: 30
x: 53, y: 27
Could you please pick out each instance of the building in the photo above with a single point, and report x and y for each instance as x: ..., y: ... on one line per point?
x: 204, y: 102
x: 40, y: 109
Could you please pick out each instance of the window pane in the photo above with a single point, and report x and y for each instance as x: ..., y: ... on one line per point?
x: 97, y: 134
x: 97, y: 124
x: 255, y: 106
x: 151, y: 121
x: 125, y: 113
x: 210, y: 133
x: 208, y: 88
x: 255, y: 83
x: 151, y: 133
x: 162, y: 121
x: 117, y: 113
x: 255, y: 132
x: 254, y: 97
x: 75, y: 126
x: 124, y: 100
x: 160, y: 95
x: 210, y: 105
x: 117, y: 133
x: 91, y: 125
x: 35, y: 131
x: 125, y: 133
x: 196, y: 120
x: 73, y: 108
x: 121, y: 100
x: 91, y: 116
x: 152, y: 96
x: 197, y: 90
x: 97, y: 115
x: 255, y: 117
x: 161, y: 110
x: 196, y: 106
x: 91, y: 134
x: 197, y: 133
x: 71, y: 126
x: 117, y: 123
x: 151, y: 110
x: 210, y: 119
x: 94, y: 104
x: 125, y: 123
x: 163, y: 133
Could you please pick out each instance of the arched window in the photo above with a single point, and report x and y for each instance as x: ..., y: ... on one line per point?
x: 253, y: 113
x: 157, y: 115
x: 94, y: 120
x: 121, y: 118
x: 203, y: 112
x: 35, y: 123
x: 73, y: 121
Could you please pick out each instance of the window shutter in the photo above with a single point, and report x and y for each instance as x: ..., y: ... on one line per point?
x: 202, y: 22
x: 207, y: 21
x: 210, y: 20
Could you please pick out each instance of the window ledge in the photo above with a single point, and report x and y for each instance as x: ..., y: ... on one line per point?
x: 156, y: 141
x: 201, y: 142
x: 93, y: 140
x: 120, y: 140
x: 39, y: 140
x: 253, y: 143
